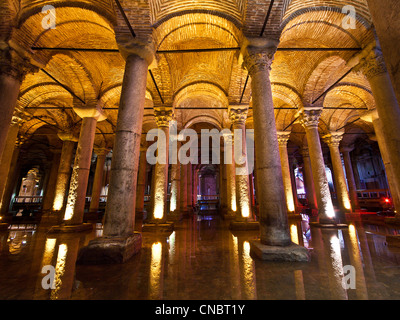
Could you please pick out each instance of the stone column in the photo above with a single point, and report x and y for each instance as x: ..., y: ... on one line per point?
x: 372, y: 65
x: 309, y: 118
x: 75, y: 207
x: 333, y: 140
x: 98, y: 179
x: 141, y: 183
x: 230, y: 176
x: 159, y: 188
x: 64, y: 171
x: 274, y: 227
x: 189, y: 189
x: 51, y: 183
x: 14, y: 66
x: 183, y: 189
x: 238, y: 119
x: 5, y: 162
x: 373, y: 117
x: 283, y: 138
x: 308, y: 179
x: 119, y: 241
x: 175, y: 200
x: 350, y: 177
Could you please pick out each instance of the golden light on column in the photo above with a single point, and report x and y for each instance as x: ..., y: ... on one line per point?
x: 294, y: 234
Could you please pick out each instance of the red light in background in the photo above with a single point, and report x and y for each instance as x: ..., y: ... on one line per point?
x: 387, y: 200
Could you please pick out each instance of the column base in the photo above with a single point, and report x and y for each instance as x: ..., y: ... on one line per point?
x: 110, y: 250
x: 4, y: 226
x: 153, y: 226
x: 229, y: 216
x: 244, y: 225
x: 291, y: 253
x: 175, y: 216
x: 63, y: 228
x: 49, y: 219
x: 294, y: 216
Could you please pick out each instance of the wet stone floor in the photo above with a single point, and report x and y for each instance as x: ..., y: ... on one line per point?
x: 203, y: 260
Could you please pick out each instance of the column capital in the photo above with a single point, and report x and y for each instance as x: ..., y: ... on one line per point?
x: 370, y: 115
x: 17, y: 62
x: 101, y: 151
x: 283, y: 138
x: 258, y: 54
x: 309, y: 117
x: 370, y: 61
x: 68, y: 136
x: 92, y: 109
x: 238, y: 115
x: 144, y: 48
x: 163, y: 116
x: 333, y: 139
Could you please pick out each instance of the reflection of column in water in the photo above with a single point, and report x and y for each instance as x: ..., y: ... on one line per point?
x: 60, y: 270
x: 299, y: 285
x: 249, y: 275
x: 356, y: 261
x: 336, y: 277
x: 155, y: 290
x: 235, y: 272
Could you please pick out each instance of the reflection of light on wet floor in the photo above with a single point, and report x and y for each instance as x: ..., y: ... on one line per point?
x: 60, y: 269
x: 155, y: 270
x: 248, y: 273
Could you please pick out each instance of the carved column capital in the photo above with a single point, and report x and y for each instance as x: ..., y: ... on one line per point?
x: 333, y: 139
x: 258, y: 54
x: 309, y: 117
x: 372, y: 64
x: 283, y: 138
x: 163, y: 116
x: 238, y: 116
x: 17, y: 62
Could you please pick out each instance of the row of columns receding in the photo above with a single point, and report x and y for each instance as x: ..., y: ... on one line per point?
x: 274, y: 187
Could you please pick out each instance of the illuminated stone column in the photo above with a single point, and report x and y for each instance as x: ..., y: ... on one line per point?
x: 51, y: 183
x: 141, y: 183
x: 308, y: 179
x: 275, y: 242
x: 350, y: 177
x: 98, y: 179
x: 230, y: 177
x: 373, y: 117
x: 183, y: 189
x: 242, y: 188
x: 371, y: 63
x: 333, y: 140
x: 309, y: 118
x: 6, y: 160
x: 74, y: 209
x: 159, y: 189
x: 175, y: 200
x: 64, y: 173
x: 189, y: 188
x: 15, y: 64
x: 119, y: 241
x: 283, y: 138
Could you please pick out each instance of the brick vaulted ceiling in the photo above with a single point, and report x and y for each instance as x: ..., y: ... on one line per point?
x: 209, y: 81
